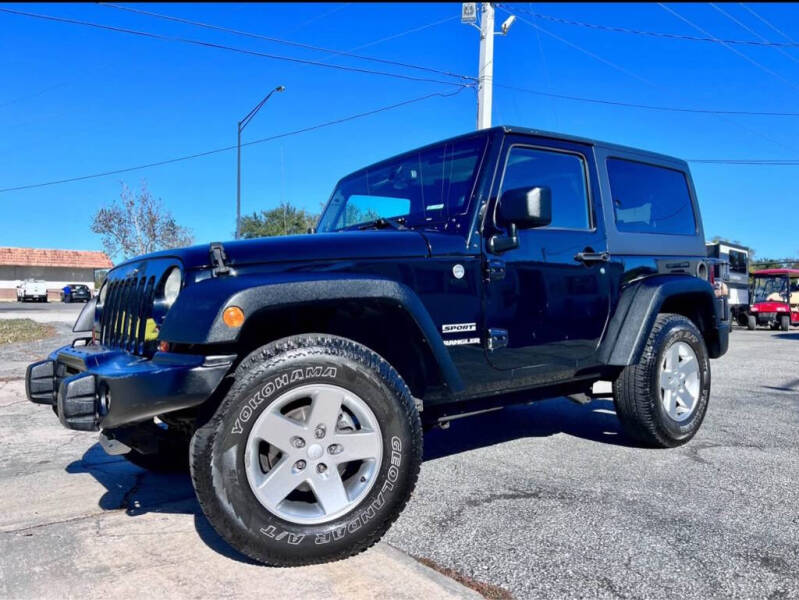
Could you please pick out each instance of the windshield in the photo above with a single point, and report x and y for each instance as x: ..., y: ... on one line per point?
x: 771, y: 289
x: 427, y: 186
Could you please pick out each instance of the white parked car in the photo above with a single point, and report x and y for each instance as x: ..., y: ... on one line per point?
x: 32, y: 289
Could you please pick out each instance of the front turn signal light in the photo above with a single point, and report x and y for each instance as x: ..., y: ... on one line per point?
x: 233, y: 316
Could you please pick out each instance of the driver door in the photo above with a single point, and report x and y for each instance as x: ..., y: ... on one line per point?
x: 551, y: 306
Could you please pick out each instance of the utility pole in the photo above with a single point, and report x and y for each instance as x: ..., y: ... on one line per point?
x: 242, y: 124
x: 485, y: 74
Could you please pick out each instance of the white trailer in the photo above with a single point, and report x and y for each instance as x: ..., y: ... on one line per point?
x: 735, y: 273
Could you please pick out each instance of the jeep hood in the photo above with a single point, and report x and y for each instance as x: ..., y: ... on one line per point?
x: 299, y: 248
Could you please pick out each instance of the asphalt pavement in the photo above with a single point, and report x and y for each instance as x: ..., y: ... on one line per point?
x: 551, y: 501
x: 548, y: 500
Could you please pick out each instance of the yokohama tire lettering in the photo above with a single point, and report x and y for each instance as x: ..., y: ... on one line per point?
x: 275, y: 384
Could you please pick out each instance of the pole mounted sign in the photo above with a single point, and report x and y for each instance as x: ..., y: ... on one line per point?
x: 469, y: 12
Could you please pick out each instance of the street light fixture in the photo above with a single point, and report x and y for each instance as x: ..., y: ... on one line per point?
x: 242, y: 124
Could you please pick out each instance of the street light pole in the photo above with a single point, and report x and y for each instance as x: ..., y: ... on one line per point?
x: 242, y: 124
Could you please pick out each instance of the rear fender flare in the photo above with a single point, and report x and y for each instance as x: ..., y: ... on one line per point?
x: 637, y: 309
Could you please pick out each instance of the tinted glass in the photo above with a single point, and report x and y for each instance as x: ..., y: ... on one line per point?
x: 650, y: 199
x: 737, y: 261
x: 422, y: 187
x: 563, y: 174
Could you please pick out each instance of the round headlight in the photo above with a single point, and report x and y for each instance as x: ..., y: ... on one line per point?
x: 103, y: 292
x: 172, y: 285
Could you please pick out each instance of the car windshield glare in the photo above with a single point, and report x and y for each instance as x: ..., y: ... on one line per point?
x: 423, y: 187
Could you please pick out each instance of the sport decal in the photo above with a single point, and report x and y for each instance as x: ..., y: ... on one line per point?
x: 458, y: 327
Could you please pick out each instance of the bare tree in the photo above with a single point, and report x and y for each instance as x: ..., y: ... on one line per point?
x: 138, y: 224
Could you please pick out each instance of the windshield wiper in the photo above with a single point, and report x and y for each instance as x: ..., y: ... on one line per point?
x: 397, y: 223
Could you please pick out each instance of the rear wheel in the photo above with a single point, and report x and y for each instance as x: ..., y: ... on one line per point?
x: 662, y: 400
x: 312, y: 454
x: 750, y: 322
x: 785, y: 322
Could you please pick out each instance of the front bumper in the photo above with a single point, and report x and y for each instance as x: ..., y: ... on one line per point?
x: 94, y: 387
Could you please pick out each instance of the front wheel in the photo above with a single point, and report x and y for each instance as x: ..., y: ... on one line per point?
x: 312, y: 454
x: 785, y: 322
x: 751, y: 323
x: 662, y: 400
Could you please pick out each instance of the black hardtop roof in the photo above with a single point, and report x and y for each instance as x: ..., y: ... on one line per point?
x: 510, y: 129
x: 655, y: 156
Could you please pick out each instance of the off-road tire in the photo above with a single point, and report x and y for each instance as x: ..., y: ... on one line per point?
x: 751, y: 323
x: 785, y: 322
x: 636, y: 391
x: 217, y: 451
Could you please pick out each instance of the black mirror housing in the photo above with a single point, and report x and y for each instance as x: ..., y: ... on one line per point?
x: 526, y: 207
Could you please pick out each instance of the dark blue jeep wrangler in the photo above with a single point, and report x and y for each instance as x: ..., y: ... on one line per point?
x: 295, y: 375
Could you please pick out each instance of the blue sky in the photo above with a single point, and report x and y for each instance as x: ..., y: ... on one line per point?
x: 76, y: 101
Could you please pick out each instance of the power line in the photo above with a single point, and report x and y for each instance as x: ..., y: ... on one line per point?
x: 746, y: 161
x: 224, y: 47
x: 286, y: 42
x: 403, y: 33
x: 319, y: 17
x: 227, y: 148
x: 650, y: 106
x: 580, y: 48
x: 750, y: 30
x: 721, y: 116
x: 728, y: 47
x: 769, y: 24
x: 658, y: 34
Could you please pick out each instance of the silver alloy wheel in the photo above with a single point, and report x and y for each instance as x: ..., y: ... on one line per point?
x: 313, y: 454
x: 680, y: 383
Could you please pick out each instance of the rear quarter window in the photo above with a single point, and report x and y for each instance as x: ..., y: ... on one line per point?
x: 650, y: 199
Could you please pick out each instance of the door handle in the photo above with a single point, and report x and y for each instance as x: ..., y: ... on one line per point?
x: 591, y: 257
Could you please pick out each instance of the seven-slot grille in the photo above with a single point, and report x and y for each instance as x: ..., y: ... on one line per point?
x: 127, y: 308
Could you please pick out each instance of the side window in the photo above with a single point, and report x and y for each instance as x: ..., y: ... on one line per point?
x: 650, y: 199
x: 737, y: 261
x: 564, y: 174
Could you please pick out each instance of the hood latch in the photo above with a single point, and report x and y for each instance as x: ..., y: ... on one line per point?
x: 219, y: 259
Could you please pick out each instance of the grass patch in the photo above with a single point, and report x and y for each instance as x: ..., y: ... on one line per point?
x: 23, y: 330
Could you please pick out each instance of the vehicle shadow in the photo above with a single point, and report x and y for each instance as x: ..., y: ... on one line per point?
x: 787, y: 336
x: 595, y: 421
x: 137, y: 492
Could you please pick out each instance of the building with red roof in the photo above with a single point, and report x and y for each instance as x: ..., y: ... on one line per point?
x: 55, y: 267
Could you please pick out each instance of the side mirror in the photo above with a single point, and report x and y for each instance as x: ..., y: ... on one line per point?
x: 526, y: 207
x: 521, y: 208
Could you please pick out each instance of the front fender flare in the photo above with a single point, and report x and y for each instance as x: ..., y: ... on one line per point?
x: 196, y: 316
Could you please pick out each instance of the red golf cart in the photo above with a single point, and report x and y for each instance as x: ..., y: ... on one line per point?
x: 775, y: 299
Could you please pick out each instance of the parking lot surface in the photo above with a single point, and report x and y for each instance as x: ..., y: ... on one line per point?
x: 545, y: 501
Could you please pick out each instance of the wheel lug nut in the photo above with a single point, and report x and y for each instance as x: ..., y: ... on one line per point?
x: 299, y: 465
x: 321, y: 468
x: 320, y: 431
x: 298, y: 442
x: 335, y: 448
